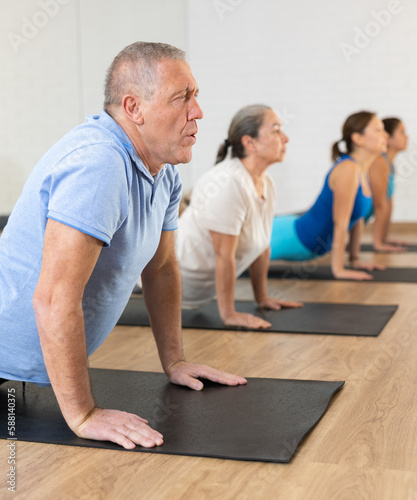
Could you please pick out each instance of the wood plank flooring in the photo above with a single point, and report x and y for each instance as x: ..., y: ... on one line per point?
x: 365, y: 447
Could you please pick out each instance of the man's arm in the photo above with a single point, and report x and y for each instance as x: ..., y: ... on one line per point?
x: 69, y: 257
x: 161, y: 282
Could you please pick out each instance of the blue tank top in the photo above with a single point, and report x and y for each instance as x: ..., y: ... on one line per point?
x: 315, y: 227
x: 390, y: 189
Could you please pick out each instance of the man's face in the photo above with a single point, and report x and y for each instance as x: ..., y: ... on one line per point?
x: 169, y: 117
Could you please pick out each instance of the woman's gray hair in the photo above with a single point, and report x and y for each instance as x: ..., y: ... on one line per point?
x: 133, y: 70
x: 247, y: 121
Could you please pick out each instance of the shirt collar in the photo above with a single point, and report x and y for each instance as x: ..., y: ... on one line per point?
x: 106, y: 121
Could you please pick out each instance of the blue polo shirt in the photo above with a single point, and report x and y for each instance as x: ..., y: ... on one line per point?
x: 94, y: 181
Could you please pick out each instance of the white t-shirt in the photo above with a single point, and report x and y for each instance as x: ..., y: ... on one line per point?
x: 224, y: 200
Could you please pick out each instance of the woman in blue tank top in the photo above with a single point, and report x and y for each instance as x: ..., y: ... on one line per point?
x: 340, y: 207
x: 381, y: 177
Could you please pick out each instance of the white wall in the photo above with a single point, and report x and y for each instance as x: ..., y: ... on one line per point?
x: 283, y: 53
x: 287, y: 54
x: 53, y: 59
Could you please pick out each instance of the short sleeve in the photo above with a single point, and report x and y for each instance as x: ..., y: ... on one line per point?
x: 221, y: 208
x: 88, y: 190
x: 171, y: 215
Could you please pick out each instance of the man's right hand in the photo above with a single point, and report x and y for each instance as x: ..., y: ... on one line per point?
x: 125, y: 429
x: 246, y: 320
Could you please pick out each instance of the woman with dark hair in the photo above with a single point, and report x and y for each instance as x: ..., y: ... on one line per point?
x: 381, y: 177
x: 340, y: 207
x: 226, y: 228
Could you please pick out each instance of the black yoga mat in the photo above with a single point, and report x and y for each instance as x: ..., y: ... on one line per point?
x: 313, y: 272
x: 265, y: 420
x: 313, y: 317
x: 3, y: 221
x: 367, y: 247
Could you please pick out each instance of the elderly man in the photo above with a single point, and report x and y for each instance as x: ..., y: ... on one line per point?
x: 98, y: 210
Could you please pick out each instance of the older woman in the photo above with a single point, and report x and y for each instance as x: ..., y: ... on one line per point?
x: 381, y: 176
x: 227, y: 226
x: 340, y: 207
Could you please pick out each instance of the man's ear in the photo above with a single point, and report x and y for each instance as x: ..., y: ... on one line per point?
x: 132, y: 108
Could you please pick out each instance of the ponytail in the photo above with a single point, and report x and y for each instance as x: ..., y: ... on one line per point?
x: 336, y: 153
x: 355, y: 123
x: 222, y: 151
x: 247, y: 121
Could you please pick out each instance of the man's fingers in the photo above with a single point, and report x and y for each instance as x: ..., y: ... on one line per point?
x: 188, y: 381
x: 144, y: 436
x: 219, y: 376
x: 123, y: 428
x: 188, y: 374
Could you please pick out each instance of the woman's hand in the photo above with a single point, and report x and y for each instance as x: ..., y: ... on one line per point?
x: 276, y: 304
x: 398, y: 243
x: 368, y: 266
x: 245, y: 320
x: 389, y: 248
x: 350, y: 274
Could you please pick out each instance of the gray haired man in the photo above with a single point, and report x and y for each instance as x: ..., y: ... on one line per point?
x: 98, y: 210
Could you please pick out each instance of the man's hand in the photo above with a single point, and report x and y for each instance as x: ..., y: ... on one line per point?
x: 276, y: 304
x: 187, y: 374
x: 120, y: 427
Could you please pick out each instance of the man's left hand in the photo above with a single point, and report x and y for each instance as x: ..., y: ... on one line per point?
x: 187, y: 374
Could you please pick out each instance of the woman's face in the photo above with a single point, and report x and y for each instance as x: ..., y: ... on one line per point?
x: 398, y: 140
x: 271, y: 141
x: 374, y: 137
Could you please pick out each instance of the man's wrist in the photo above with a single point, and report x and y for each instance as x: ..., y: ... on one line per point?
x: 77, y: 416
x: 168, y: 368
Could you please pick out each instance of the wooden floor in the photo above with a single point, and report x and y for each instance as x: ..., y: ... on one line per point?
x: 365, y: 447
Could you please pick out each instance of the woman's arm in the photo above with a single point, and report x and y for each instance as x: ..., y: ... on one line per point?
x: 378, y: 177
x: 354, y: 248
x: 225, y: 248
x: 259, y: 277
x: 354, y: 245
x: 344, y: 183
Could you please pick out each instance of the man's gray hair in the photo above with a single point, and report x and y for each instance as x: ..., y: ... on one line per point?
x: 133, y: 70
